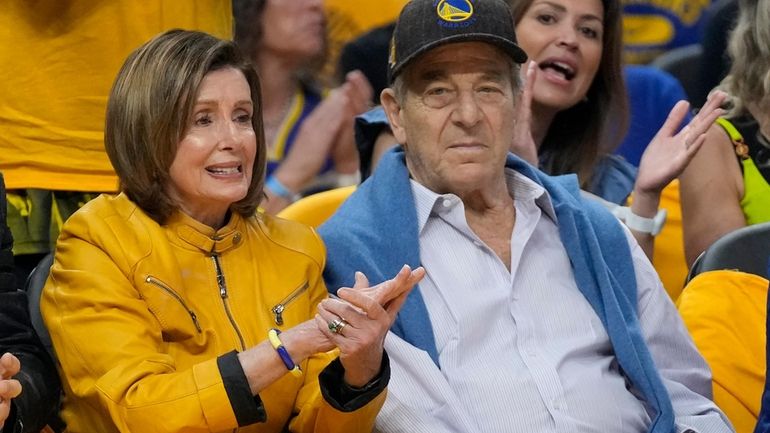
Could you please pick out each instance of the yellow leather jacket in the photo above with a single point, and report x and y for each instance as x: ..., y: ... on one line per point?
x: 142, y: 315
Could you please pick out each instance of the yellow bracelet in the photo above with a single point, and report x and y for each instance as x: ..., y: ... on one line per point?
x: 293, y: 368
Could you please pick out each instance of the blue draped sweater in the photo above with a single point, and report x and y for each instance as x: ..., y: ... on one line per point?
x: 376, y: 232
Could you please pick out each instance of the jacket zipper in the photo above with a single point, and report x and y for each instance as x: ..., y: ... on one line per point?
x: 281, y: 306
x: 223, y: 294
x: 157, y: 283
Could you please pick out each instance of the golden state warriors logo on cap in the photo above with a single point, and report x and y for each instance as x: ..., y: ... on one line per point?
x: 454, y: 11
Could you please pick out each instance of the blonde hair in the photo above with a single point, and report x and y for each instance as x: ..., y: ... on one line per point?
x: 748, y: 82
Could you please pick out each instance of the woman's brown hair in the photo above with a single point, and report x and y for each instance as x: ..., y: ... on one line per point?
x: 149, y: 111
x: 580, y: 135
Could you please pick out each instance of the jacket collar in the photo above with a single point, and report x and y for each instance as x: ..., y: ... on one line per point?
x: 197, y: 235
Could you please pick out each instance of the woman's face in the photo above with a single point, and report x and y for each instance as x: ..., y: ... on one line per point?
x: 565, y: 38
x: 294, y: 28
x: 213, y: 164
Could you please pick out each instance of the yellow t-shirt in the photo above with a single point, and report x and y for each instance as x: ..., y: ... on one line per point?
x: 58, y: 60
x: 357, y: 17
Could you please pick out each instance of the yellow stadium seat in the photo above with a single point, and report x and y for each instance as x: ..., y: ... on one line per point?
x: 314, y: 209
x: 725, y: 312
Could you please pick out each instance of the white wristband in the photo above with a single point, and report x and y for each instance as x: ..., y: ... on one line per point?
x: 640, y: 224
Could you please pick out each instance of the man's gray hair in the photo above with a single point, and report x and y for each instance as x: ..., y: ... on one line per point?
x: 399, y: 83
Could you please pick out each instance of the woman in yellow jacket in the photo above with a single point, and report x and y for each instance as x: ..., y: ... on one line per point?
x: 175, y: 306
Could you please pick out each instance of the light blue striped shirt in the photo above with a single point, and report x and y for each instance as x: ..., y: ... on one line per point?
x: 522, y: 350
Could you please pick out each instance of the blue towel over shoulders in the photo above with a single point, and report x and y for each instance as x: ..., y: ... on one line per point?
x: 375, y: 232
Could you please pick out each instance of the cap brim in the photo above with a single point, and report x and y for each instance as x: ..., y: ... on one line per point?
x: 514, y: 51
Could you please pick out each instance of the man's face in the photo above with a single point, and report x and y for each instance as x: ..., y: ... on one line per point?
x: 455, y: 118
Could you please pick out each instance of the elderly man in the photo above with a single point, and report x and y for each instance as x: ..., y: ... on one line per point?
x: 538, y: 311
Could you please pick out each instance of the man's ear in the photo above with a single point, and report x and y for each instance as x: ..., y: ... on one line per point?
x: 393, y: 111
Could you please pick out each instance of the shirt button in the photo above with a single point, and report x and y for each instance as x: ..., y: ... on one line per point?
x: 236, y: 238
x: 447, y: 202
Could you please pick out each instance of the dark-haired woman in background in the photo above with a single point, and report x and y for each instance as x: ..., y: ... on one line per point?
x: 307, y: 135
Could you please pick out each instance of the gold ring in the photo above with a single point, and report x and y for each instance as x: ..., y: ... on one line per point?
x: 337, y: 325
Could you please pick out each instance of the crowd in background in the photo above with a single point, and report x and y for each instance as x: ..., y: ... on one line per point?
x: 681, y: 176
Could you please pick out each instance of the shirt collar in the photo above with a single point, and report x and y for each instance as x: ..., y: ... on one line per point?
x: 520, y: 187
x: 523, y: 188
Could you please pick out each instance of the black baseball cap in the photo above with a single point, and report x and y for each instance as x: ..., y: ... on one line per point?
x: 427, y: 24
